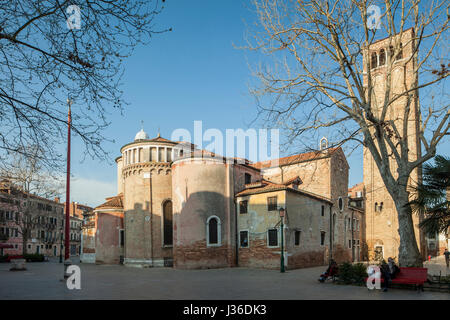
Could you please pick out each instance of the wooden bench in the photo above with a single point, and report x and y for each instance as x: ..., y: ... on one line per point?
x: 14, y: 257
x: 413, y: 276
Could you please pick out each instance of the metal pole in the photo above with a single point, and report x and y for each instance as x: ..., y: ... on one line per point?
x: 282, y: 246
x: 67, y: 261
x: 61, y: 249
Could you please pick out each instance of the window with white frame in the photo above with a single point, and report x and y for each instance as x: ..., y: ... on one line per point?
x: 272, y: 237
x: 243, y: 238
x: 213, y: 234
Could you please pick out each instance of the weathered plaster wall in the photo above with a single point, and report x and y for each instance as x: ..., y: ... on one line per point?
x: 108, y: 249
x: 257, y: 221
x: 202, y: 188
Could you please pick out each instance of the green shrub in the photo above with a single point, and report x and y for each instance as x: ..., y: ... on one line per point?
x: 34, y: 257
x: 345, y: 273
x: 352, y: 273
x: 359, y: 273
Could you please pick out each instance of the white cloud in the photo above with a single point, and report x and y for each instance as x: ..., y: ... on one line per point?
x: 90, y: 192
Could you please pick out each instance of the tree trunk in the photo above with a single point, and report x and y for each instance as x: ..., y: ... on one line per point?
x: 409, y: 254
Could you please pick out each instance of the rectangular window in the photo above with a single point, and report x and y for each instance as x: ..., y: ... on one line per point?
x: 243, y: 206
x: 297, y: 237
x: 272, y: 203
x: 273, y: 237
x: 349, y: 244
x: 322, y: 238
x: 122, y: 237
x: 243, y: 239
x: 248, y: 178
x: 323, y: 211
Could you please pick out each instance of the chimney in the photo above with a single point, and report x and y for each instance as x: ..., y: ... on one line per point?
x: 57, y: 199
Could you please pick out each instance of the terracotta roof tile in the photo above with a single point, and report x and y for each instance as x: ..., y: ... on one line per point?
x: 112, y: 202
x: 268, y: 186
x: 307, y: 156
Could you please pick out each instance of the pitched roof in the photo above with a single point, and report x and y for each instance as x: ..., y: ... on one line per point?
x: 160, y: 139
x: 115, y: 202
x: 268, y: 186
x: 307, y: 156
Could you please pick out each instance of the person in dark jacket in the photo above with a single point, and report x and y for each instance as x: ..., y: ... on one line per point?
x: 331, y: 271
x: 388, y: 271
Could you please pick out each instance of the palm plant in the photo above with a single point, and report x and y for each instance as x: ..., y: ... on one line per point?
x: 432, y: 196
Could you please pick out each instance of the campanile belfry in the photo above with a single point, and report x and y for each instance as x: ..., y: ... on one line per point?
x: 397, y: 73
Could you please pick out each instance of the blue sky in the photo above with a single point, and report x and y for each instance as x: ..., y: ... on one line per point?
x: 192, y: 73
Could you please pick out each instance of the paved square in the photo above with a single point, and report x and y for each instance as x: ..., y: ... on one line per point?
x: 42, y: 281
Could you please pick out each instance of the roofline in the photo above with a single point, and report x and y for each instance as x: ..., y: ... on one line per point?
x: 285, y: 188
x: 108, y: 209
x: 147, y: 140
x: 36, y: 197
x: 403, y: 31
x: 328, y: 155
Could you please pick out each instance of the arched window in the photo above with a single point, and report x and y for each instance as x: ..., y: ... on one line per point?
x: 373, y: 60
x: 400, y: 53
x: 213, y: 231
x: 167, y: 223
x: 382, y: 57
x: 376, y: 206
x: 341, y: 204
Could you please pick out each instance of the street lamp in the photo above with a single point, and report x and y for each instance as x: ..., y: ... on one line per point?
x: 282, y: 213
x: 61, y: 249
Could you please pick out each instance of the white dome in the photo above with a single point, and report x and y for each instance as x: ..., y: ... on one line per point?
x: 141, y: 135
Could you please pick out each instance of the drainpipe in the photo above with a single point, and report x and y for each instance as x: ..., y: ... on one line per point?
x: 151, y: 219
x: 353, y: 247
x: 331, y: 235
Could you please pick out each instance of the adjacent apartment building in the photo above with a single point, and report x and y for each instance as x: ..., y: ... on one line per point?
x: 40, y: 221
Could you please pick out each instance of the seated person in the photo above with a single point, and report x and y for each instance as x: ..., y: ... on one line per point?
x: 331, y: 271
x: 388, y: 271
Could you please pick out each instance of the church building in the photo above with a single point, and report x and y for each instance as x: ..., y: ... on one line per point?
x: 189, y: 208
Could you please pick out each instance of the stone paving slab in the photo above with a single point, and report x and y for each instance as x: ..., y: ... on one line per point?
x: 43, y: 281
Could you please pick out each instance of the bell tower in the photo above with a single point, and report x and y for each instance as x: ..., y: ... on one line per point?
x: 394, y: 71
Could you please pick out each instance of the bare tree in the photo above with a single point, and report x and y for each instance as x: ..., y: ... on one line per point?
x: 58, y: 48
x: 27, y: 181
x: 318, y: 78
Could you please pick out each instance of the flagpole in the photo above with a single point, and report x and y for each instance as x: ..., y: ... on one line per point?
x: 67, y: 261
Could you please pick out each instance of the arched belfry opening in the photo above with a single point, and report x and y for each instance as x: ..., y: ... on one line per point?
x: 323, y: 145
x: 167, y: 223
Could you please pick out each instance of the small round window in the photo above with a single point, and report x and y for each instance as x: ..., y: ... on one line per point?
x: 341, y: 204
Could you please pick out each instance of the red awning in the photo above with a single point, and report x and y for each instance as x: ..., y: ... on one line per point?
x: 6, y: 246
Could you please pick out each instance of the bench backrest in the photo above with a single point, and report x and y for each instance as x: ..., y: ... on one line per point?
x: 416, y: 273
